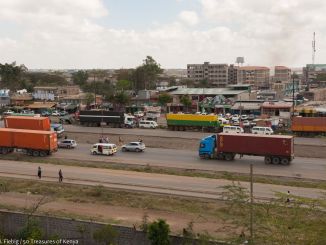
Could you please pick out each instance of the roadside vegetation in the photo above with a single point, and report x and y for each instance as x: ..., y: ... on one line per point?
x: 285, y: 221
x: 264, y: 179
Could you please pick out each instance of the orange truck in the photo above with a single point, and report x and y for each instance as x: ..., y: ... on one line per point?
x: 25, y: 122
x: 32, y: 142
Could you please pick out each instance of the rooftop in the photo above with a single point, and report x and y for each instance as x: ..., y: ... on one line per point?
x: 250, y: 68
x: 207, y: 91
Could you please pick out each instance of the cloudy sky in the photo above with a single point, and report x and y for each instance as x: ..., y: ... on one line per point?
x: 121, y: 33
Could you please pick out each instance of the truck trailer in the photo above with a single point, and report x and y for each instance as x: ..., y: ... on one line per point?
x: 27, y: 122
x: 277, y: 149
x: 305, y: 126
x: 107, y: 118
x: 193, y: 122
x: 31, y: 142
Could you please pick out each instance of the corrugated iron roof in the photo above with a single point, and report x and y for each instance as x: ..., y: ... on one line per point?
x: 207, y: 91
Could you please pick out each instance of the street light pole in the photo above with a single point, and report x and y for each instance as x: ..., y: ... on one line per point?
x: 293, y: 94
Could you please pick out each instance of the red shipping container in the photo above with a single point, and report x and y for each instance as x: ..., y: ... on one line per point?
x: 32, y: 123
x: 308, y: 124
x: 28, y: 139
x: 259, y: 145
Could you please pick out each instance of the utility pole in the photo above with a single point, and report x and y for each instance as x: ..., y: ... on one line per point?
x: 293, y: 101
x: 251, y: 204
x: 313, y: 48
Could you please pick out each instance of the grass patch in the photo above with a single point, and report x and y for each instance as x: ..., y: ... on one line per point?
x: 288, y: 181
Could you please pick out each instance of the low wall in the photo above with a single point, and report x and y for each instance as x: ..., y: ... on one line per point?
x: 72, y: 231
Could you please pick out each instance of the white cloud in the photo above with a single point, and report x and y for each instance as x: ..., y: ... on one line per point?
x: 66, y: 34
x: 189, y: 17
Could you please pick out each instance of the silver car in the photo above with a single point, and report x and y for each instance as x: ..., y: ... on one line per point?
x: 67, y: 143
x: 133, y: 146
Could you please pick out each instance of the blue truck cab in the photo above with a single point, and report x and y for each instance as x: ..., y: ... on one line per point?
x: 207, y: 147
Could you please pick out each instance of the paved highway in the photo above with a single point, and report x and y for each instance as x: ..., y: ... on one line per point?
x: 171, y: 134
x: 157, y: 183
x: 310, y: 168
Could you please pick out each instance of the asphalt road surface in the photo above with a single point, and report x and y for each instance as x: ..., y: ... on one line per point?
x: 172, y: 134
x: 157, y: 183
x: 310, y: 168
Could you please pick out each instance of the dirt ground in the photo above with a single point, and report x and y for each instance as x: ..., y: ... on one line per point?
x: 312, y: 151
x: 126, y: 216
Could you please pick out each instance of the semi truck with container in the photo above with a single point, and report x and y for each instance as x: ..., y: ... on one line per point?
x: 276, y: 149
x: 33, y: 123
x: 97, y: 118
x: 32, y: 142
x: 308, y: 126
x: 182, y: 122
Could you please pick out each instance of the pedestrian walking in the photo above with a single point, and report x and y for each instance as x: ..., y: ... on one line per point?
x: 288, y: 197
x: 39, y: 172
x: 66, y: 137
x: 140, y: 140
x: 106, y: 139
x: 120, y: 141
x: 60, y: 176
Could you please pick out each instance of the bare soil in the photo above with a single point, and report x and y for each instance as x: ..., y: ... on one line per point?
x: 126, y: 216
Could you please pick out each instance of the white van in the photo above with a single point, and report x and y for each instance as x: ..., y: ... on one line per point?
x: 147, y: 124
x: 262, y: 130
x: 103, y: 149
x: 233, y: 129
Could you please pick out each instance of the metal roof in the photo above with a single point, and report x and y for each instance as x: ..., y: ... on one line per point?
x: 207, y: 91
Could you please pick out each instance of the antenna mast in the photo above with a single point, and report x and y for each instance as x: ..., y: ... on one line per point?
x: 313, y: 49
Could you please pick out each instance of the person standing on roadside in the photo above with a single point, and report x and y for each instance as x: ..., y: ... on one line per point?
x: 60, y: 176
x: 39, y: 172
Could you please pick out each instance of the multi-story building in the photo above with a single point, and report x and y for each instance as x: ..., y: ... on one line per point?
x: 311, y: 71
x: 315, y: 94
x: 282, y: 74
x: 215, y: 74
x: 233, y: 74
x: 53, y: 93
x: 257, y: 76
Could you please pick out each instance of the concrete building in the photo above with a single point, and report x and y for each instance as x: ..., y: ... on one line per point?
x: 311, y: 71
x: 215, y: 74
x: 4, y: 97
x: 317, y: 94
x: 285, y: 89
x: 282, y: 74
x: 233, y: 74
x: 257, y: 76
x: 280, y: 109
x: 54, y: 93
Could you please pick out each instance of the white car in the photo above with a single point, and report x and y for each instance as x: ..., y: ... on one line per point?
x: 134, y: 146
x: 148, y: 124
x: 8, y: 112
x: 262, y: 130
x: 67, y: 143
x: 103, y: 149
x: 55, y: 113
x: 139, y: 114
x: 236, y: 123
x: 246, y: 123
x: 235, y: 118
x: 244, y: 117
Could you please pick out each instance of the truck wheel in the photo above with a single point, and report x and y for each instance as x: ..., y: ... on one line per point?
x: 268, y: 160
x: 228, y: 157
x: 42, y: 154
x: 94, y: 153
x: 276, y: 160
x: 36, y: 153
x: 285, y: 161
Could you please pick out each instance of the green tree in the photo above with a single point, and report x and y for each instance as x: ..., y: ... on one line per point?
x: 12, y: 75
x: 80, y: 77
x: 321, y: 77
x: 164, y: 98
x: 158, y: 232
x: 106, y: 235
x: 123, y: 85
x: 186, y: 101
x: 89, y: 98
x: 121, y: 99
x: 42, y: 78
x: 31, y: 230
x: 145, y: 76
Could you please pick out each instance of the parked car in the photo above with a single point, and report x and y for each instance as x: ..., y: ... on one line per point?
x: 8, y: 112
x: 103, y: 149
x: 45, y: 114
x: 235, y: 123
x: 244, y: 117
x: 134, y: 146
x: 55, y: 113
x: 235, y: 117
x: 251, y: 117
x: 63, y: 113
x: 232, y: 129
x: 139, y: 114
x: 67, y: 143
x: 262, y: 130
x: 246, y: 123
x: 148, y: 124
